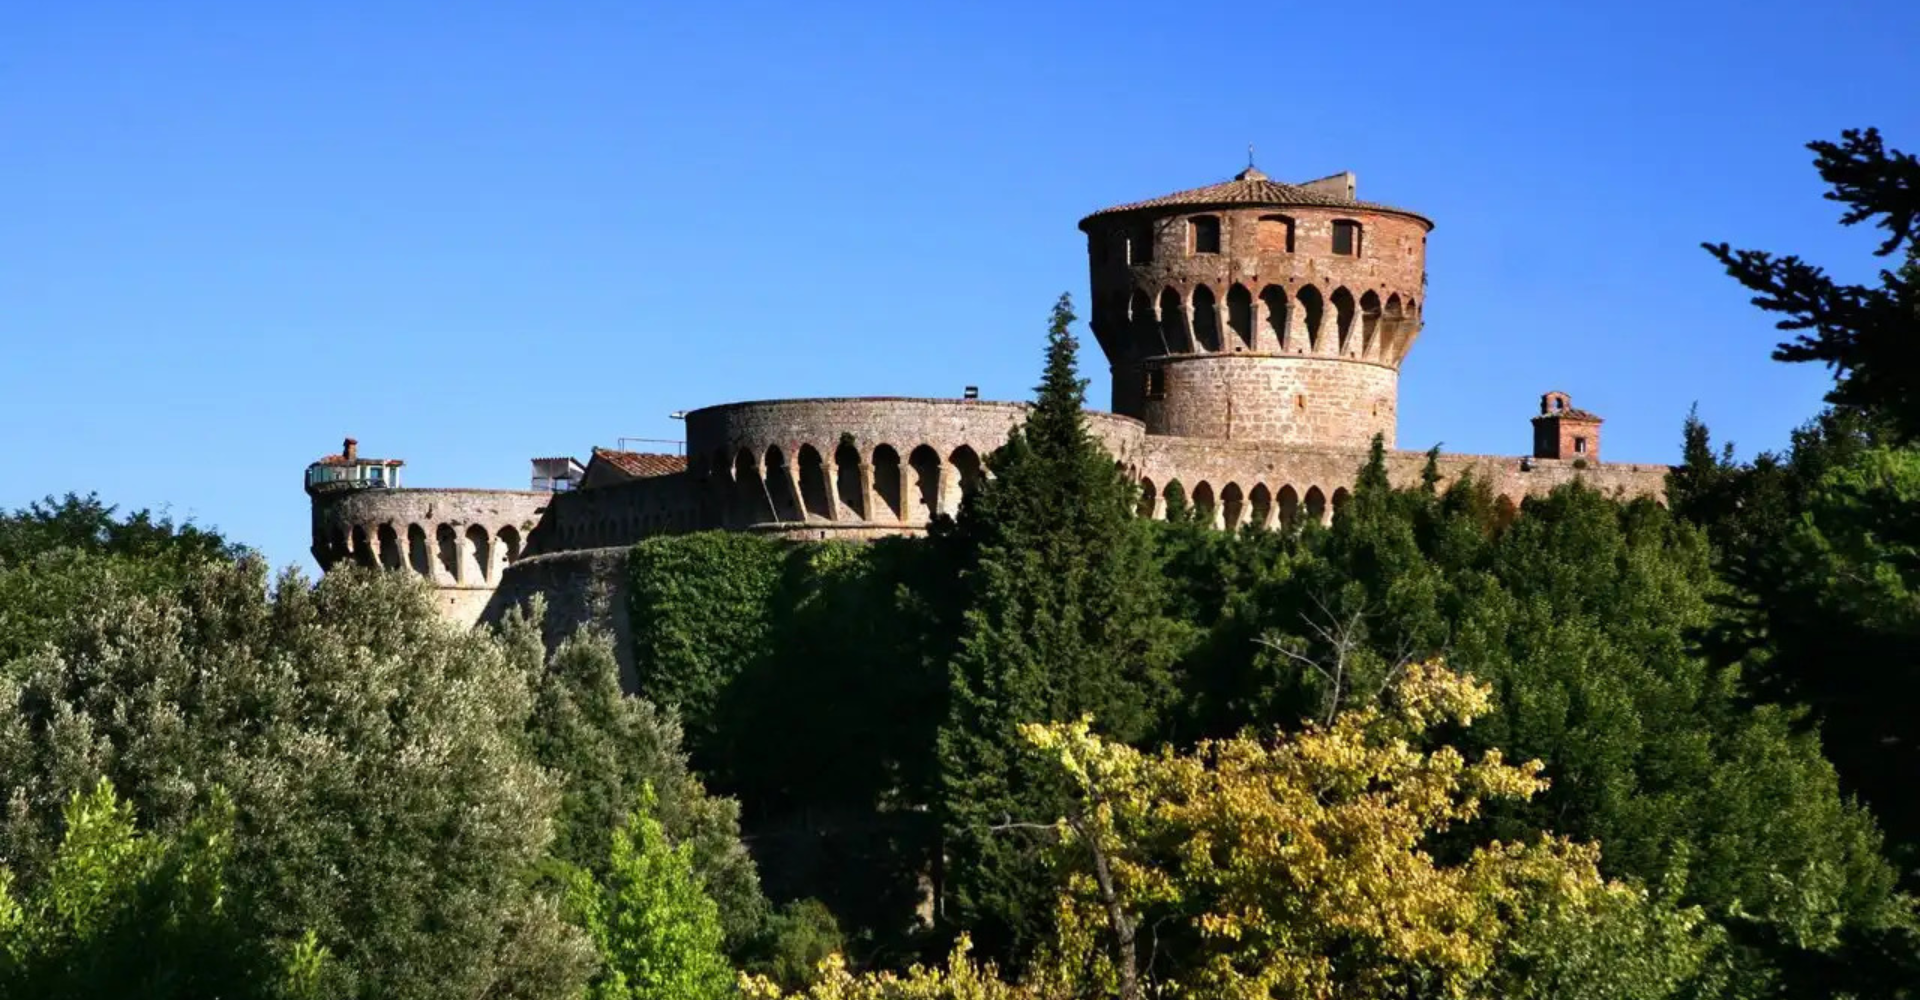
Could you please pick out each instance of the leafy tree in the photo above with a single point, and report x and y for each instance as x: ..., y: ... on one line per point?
x: 605, y: 748
x: 1869, y: 336
x: 55, y: 552
x: 125, y: 913
x: 962, y: 979
x: 1583, y: 614
x: 1297, y: 867
x: 656, y: 929
x: 383, y: 791
x: 1061, y: 618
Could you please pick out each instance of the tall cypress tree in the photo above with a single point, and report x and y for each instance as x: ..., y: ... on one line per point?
x: 1063, y: 618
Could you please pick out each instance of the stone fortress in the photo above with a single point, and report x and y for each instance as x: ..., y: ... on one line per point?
x: 1255, y: 332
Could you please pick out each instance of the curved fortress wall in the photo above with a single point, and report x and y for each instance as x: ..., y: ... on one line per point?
x: 459, y: 541
x: 854, y: 468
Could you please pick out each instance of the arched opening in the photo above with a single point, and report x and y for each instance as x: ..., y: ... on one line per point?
x: 1233, y: 507
x: 419, y: 558
x: 846, y: 479
x: 925, y: 495
x: 1276, y: 234
x: 886, y: 483
x: 449, y: 545
x: 1149, y: 506
x: 479, y: 555
x: 1260, y: 506
x: 782, y: 491
x: 1370, y: 324
x: 390, y: 554
x: 1205, y: 509
x: 1140, y: 319
x: 1174, y: 500
x: 1390, y: 329
x: 749, y: 492
x: 1311, y: 308
x: 966, y: 467
x: 362, y: 550
x: 510, y: 545
x: 1240, y: 317
x: 1206, y: 319
x: 813, y: 485
x: 1340, y: 498
x: 1274, y: 299
x: 1173, y: 322
x: 1343, y: 319
x: 1287, y: 503
x: 717, y: 465
x: 1316, y: 503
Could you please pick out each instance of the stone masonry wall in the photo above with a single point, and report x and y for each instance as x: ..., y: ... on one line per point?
x: 459, y: 541
x: 853, y: 468
x: 1264, y: 480
x: 580, y: 589
x: 1275, y: 399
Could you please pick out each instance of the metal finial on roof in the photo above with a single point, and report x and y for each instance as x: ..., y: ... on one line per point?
x: 1252, y: 173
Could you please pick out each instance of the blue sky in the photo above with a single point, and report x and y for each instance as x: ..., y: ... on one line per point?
x: 232, y: 233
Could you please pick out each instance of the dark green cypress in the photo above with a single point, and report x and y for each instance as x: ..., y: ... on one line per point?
x: 1062, y: 618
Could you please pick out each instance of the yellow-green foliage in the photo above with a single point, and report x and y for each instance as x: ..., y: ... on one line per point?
x: 1297, y: 866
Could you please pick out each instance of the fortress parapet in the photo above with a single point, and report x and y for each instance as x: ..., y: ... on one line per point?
x: 855, y: 468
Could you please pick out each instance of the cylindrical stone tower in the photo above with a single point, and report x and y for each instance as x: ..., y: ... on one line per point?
x: 1258, y: 311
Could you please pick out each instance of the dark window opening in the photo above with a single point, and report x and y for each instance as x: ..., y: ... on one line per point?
x: 1579, y: 446
x: 1346, y: 238
x: 1156, y: 383
x: 1206, y: 233
x: 1140, y: 246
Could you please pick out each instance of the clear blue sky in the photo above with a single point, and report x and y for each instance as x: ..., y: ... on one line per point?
x: 232, y: 233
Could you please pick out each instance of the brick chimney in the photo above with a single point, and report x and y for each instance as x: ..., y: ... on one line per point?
x: 350, y: 450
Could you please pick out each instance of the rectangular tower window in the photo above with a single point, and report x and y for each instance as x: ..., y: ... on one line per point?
x: 1346, y: 238
x: 1206, y: 233
x: 1579, y: 446
x: 1140, y: 246
x: 1156, y: 383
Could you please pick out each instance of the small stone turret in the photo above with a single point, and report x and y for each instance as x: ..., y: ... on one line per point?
x: 1253, y: 310
x: 1563, y: 432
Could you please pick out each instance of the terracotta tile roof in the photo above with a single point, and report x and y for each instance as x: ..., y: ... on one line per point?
x: 1572, y: 413
x: 1249, y: 187
x: 642, y: 464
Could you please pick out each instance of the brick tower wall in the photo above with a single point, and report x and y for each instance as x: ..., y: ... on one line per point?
x: 1304, y: 343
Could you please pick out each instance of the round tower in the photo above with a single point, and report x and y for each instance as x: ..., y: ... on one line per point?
x: 1259, y: 311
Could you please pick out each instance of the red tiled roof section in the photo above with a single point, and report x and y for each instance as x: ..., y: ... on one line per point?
x: 641, y: 464
x: 1248, y: 188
